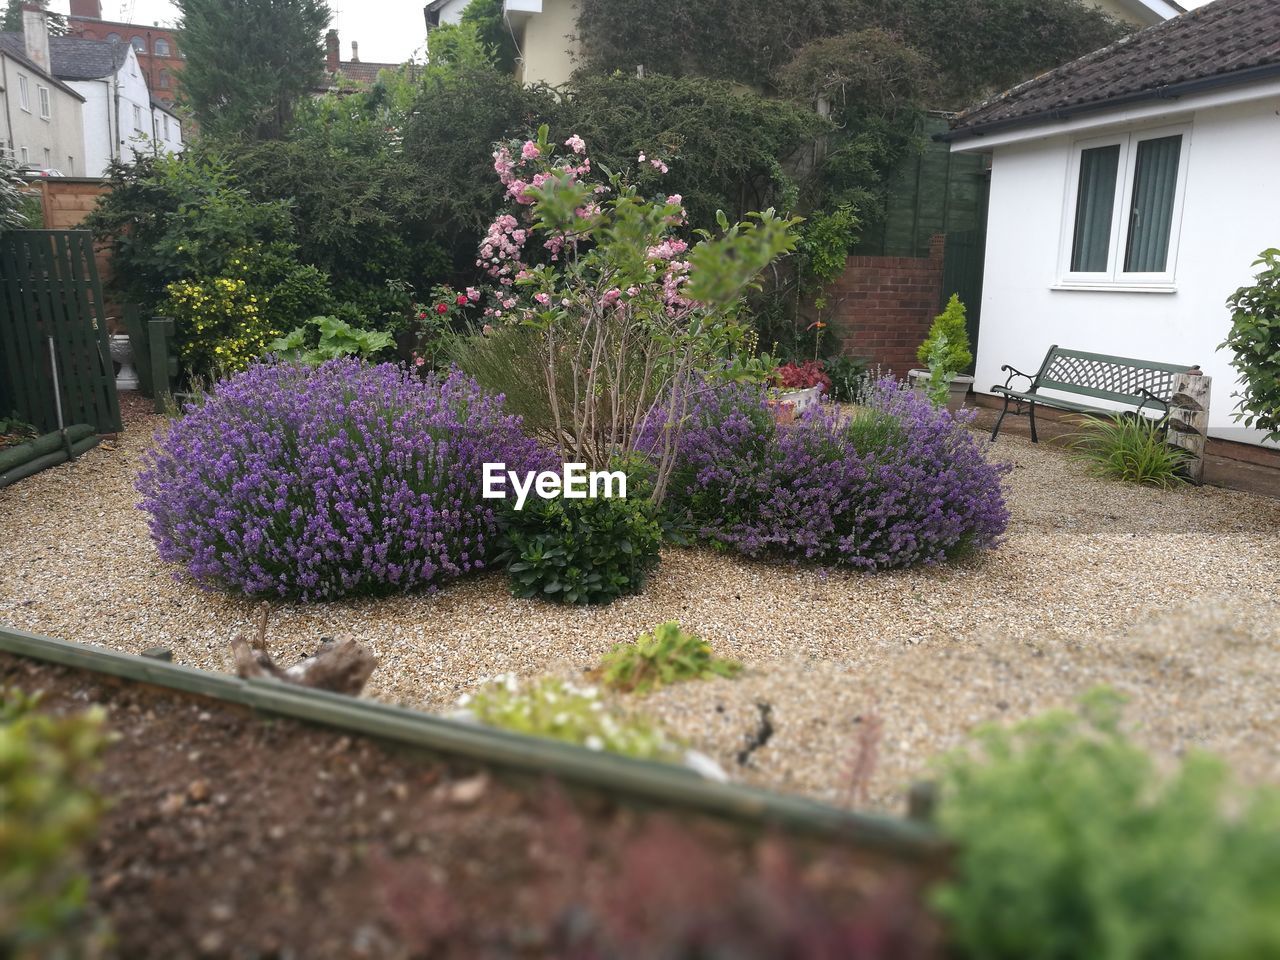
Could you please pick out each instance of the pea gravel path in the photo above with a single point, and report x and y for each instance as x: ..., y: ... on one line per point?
x: 1172, y: 597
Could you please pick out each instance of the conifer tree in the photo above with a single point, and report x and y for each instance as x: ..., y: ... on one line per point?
x: 249, y: 62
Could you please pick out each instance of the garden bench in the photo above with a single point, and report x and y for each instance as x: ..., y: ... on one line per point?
x: 1142, y: 384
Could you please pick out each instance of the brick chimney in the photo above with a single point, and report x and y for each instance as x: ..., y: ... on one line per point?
x: 35, y: 35
x: 89, y: 9
x: 331, y: 51
x: 355, y: 52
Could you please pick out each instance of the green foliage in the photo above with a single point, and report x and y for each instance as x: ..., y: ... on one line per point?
x: 727, y: 148
x: 12, y: 202
x: 560, y: 711
x: 1070, y: 844
x: 327, y: 338
x: 954, y: 355
x: 872, y: 429
x: 975, y: 45
x: 491, y: 28
x: 823, y: 244
x: 666, y: 656
x: 980, y: 47
x: 1255, y: 344
x: 592, y: 550
x: 220, y: 324
x: 12, y: 19
x: 848, y: 374
x: 1129, y: 448
x: 47, y: 814
x: 185, y: 216
x: 249, y: 63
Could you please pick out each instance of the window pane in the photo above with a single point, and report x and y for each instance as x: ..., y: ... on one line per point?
x: 1095, y: 202
x: 1155, y: 179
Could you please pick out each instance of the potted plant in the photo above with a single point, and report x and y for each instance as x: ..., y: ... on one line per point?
x: 797, y: 387
x: 945, y: 352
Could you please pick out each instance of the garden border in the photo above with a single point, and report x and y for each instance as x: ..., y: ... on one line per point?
x: 47, y: 450
x: 640, y: 780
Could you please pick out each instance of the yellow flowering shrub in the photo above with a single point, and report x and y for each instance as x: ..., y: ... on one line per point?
x: 220, y: 324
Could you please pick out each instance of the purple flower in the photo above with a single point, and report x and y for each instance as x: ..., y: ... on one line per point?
x: 305, y: 482
x: 900, y: 482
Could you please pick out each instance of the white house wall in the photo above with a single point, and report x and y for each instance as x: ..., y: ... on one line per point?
x: 112, y: 130
x: 1231, y: 212
x: 61, y: 133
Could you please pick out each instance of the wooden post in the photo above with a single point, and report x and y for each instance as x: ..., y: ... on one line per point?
x: 1189, y: 418
x: 161, y: 333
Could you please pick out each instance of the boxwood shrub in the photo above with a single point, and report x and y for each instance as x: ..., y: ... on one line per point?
x: 581, y: 551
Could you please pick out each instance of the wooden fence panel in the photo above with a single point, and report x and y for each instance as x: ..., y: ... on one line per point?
x: 49, y: 288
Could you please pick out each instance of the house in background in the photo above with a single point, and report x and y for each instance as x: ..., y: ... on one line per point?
x: 166, y: 128
x: 363, y: 73
x: 159, y: 57
x: 1130, y: 192
x: 41, y: 118
x: 544, y: 32
x: 118, y: 115
x: 1140, y: 13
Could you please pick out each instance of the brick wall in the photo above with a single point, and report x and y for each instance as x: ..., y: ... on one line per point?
x: 881, y: 307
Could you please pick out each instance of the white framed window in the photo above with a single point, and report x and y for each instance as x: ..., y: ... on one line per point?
x: 1124, y: 210
x: 137, y: 118
x: 26, y: 157
x: 161, y: 47
x: 24, y: 94
x: 48, y: 158
x: 165, y: 117
x: 45, y: 110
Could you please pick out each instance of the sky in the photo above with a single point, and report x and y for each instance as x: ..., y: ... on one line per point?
x: 388, y: 31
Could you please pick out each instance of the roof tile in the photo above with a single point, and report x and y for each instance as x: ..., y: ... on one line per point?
x: 1213, y: 41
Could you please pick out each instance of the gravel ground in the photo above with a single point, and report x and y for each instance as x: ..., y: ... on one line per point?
x: 1172, y: 597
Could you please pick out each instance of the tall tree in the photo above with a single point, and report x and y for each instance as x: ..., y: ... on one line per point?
x: 249, y: 62
x: 12, y: 22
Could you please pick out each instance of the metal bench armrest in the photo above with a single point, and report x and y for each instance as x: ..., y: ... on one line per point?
x: 1014, y: 372
x: 1149, y: 396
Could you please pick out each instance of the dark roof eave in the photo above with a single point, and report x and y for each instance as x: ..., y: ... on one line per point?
x: 1170, y: 91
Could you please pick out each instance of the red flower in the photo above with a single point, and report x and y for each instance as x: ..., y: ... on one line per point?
x: 442, y: 308
x: 462, y: 300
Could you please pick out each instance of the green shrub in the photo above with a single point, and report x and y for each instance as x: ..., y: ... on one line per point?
x: 561, y: 711
x: 220, y: 323
x: 47, y: 814
x: 948, y: 328
x: 327, y: 338
x: 666, y: 656
x: 1129, y: 448
x: 848, y: 375
x: 1071, y: 845
x: 592, y: 550
x: 1255, y: 343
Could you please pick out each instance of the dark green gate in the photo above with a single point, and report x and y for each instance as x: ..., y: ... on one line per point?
x: 962, y: 274
x: 49, y: 288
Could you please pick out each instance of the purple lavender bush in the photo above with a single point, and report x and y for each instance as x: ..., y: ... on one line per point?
x: 898, y: 483
x: 313, y: 483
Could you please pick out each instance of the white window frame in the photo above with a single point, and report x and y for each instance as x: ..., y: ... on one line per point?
x: 46, y: 106
x: 137, y: 119
x: 24, y: 94
x: 26, y: 157
x: 1115, y: 277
